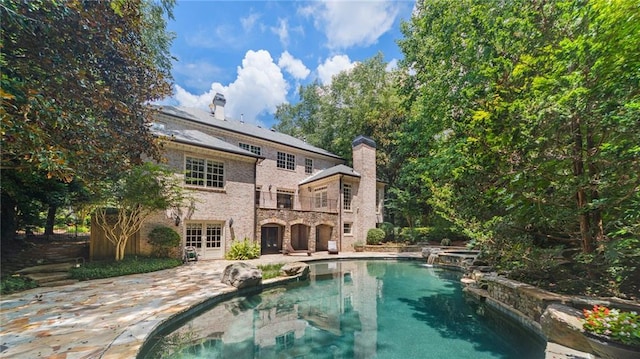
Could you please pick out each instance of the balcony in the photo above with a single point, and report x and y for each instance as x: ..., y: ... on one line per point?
x: 272, y: 200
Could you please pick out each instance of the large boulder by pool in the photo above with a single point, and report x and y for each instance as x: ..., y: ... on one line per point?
x: 242, y: 275
x: 561, y: 324
x: 294, y: 269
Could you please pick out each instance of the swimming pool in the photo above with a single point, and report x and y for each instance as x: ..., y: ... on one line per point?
x: 352, y: 309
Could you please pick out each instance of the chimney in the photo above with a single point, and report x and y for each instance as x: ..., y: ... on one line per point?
x: 364, y: 162
x: 217, y: 106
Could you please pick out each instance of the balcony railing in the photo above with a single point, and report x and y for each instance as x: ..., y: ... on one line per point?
x: 273, y: 200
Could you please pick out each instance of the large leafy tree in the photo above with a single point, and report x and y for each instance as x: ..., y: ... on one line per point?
x: 77, y: 78
x: 360, y: 101
x: 134, y: 196
x: 524, y: 115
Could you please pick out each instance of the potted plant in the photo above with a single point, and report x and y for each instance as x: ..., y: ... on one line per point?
x: 612, y: 333
x: 358, y: 246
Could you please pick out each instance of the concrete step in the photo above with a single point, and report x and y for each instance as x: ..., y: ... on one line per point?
x: 42, y: 278
x: 59, y: 283
x: 48, y: 268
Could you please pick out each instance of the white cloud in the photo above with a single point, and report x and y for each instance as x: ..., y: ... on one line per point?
x: 249, y: 22
x: 333, y: 66
x: 294, y: 66
x: 352, y: 23
x: 259, y: 88
x: 392, y: 65
x: 282, y: 31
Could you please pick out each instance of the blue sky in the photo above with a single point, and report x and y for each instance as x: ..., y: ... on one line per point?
x: 257, y: 53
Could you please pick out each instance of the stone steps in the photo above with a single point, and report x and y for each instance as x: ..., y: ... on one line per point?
x: 49, y: 275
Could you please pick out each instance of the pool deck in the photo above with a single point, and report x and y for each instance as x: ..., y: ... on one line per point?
x: 111, y: 318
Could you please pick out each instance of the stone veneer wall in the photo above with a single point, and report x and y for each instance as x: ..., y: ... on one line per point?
x: 291, y: 217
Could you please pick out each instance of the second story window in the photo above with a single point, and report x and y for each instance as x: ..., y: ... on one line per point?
x: 308, y: 166
x: 251, y: 148
x: 285, y: 199
x: 286, y: 161
x: 204, y: 173
x: 346, y: 197
x: 320, y: 197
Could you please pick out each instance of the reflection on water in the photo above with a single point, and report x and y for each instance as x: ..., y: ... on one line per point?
x: 358, y: 309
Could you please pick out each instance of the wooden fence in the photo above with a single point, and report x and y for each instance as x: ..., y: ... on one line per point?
x: 101, y: 248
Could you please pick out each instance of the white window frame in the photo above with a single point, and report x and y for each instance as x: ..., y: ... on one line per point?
x: 204, y: 235
x: 308, y: 166
x: 347, y: 228
x: 347, y: 196
x: 251, y: 148
x: 209, y: 174
x: 286, y: 161
x: 320, y: 197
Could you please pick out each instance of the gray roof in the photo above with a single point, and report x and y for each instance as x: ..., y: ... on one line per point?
x: 204, y: 117
x: 197, y: 138
x: 335, y: 170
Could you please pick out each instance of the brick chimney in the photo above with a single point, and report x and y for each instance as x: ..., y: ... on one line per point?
x: 217, y: 106
x: 364, y: 162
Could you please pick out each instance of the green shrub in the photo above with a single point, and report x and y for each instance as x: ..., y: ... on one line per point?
x: 242, y: 250
x: 375, y: 236
x: 270, y: 270
x: 96, y: 270
x: 445, y: 242
x: 389, y: 232
x: 164, y: 240
x: 14, y: 284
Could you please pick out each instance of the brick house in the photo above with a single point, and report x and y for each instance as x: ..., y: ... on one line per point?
x: 256, y: 183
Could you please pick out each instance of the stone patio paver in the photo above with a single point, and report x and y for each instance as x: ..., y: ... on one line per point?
x: 111, y: 318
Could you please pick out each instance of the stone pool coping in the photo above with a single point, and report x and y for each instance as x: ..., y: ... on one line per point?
x: 112, y: 318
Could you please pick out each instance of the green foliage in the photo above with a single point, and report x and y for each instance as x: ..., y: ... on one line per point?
x: 133, y: 265
x: 389, y: 231
x: 622, y: 258
x: 163, y: 239
x: 14, y: 284
x: 375, y: 236
x: 242, y: 250
x: 270, y: 270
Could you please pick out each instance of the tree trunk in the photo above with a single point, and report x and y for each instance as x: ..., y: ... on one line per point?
x: 7, y: 219
x: 594, y: 175
x: 51, y: 220
x: 581, y: 195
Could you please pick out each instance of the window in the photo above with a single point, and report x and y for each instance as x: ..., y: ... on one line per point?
x: 308, y: 166
x: 258, y: 195
x: 285, y: 199
x: 320, y: 197
x: 379, y: 198
x: 286, y: 160
x: 251, y: 148
x: 347, y: 228
x: 207, y: 235
x: 285, y: 341
x: 346, y: 197
x: 204, y: 173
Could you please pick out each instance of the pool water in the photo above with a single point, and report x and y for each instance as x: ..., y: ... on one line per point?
x: 353, y: 309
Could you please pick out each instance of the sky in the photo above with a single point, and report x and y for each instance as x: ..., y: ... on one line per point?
x: 258, y: 53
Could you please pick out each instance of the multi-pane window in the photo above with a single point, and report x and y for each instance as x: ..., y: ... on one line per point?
x: 208, y: 235
x: 308, y: 166
x: 285, y: 199
x: 347, y: 228
x: 258, y: 195
x: 251, y: 148
x: 286, y: 160
x: 320, y: 197
x: 204, y: 173
x: 346, y: 196
x: 285, y: 341
x: 379, y: 198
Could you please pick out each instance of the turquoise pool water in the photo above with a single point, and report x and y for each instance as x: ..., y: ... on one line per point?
x: 353, y: 309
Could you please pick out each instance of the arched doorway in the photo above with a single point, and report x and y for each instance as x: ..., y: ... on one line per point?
x: 300, y: 236
x: 270, y: 239
x: 323, y: 236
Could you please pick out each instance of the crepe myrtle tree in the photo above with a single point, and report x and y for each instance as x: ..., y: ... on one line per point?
x: 130, y: 199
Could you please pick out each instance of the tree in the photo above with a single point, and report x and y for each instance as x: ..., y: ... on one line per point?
x: 68, y: 116
x: 130, y: 200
